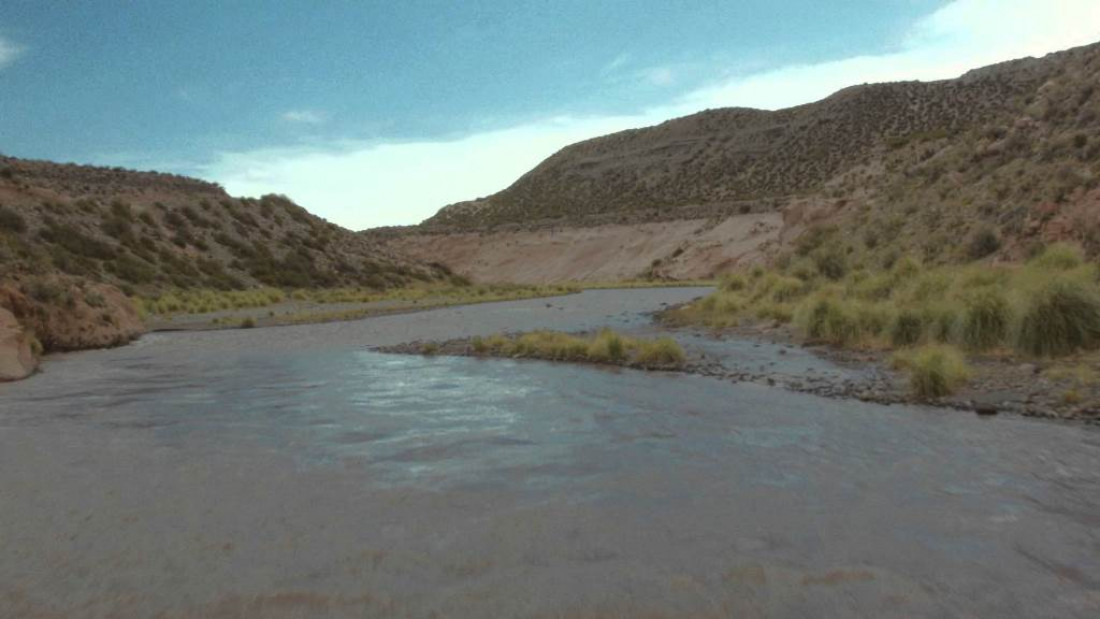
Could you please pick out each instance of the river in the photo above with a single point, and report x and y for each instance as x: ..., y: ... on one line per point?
x: 292, y: 472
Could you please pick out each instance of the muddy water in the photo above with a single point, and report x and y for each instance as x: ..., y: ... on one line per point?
x: 294, y: 473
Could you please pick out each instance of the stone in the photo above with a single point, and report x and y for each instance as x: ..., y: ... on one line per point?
x: 17, y: 356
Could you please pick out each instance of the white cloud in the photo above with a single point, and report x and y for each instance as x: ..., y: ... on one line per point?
x: 305, y: 117
x: 360, y: 185
x: 616, y: 63
x: 659, y: 76
x: 8, y: 52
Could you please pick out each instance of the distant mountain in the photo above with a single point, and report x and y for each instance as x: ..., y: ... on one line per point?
x: 141, y: 230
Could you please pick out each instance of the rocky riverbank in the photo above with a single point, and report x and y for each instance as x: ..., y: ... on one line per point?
x: 773, y: 357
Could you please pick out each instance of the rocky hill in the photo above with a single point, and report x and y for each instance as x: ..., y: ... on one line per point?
x: 76, y: 240
x: 1010, y: 151
x: 145, y: 229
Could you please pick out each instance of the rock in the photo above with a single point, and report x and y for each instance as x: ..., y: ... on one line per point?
x: 17, y: 356
x: 985, y: 409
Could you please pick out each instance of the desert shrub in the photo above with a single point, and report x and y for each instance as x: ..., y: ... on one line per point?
x: 907, y: 329
x: 12, y: 221
x: 662, y: 351
x: 73, y: 240
x: 1060, y: 318
x: 872, y: 319
x: 787, y: 289
x: 95, y: 299
x: 248, y: 323
x: 905, y: 267
x: 607, y: 346
x: 985, y: 320
x: 1059, y: 256
x: 875, y: 287
x: 829, y: 321
x: 550, y: 345
x: 940, y: 321
x: 732, y: 283
x: 934, y: 371
x: 479, y: 346
x: 831, y: 262
x: 814, y: 238
x: 983, y: 243
x: 121, y: 210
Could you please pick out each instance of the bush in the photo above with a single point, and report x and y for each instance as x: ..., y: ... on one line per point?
x: 828, y: 321
x: 985, y: 320
x: 983, y: 243
x: 12, y: 221
x: 608, y: 346
x: 661, y: 352
x: 732, y: 283
x: 1059, y: 256
x: 908, y: 328
x: 934, y: 371
x: 1061, y: 318
x: 787, y: 289
x: 831, y: 262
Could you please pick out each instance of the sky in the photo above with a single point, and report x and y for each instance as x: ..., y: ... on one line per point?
x: 374, y: 113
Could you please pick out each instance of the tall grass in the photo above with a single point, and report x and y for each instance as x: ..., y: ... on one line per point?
x: 1049, y: 306
x: 935, y: 370
x: 202, y: 301
x: 606, y: 346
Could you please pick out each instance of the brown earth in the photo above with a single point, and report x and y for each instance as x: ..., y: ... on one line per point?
x: 66, y: 313
x: 17, y: 358
x: 686, y: 249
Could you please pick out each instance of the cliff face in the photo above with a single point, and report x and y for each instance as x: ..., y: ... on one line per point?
x: 906, y: 167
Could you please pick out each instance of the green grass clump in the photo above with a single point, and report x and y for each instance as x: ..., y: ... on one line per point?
x: 830, y: 321
x: 605, y: 346
x: 664, y: 351
x: 1049, y: 306
x: 1059, y: 256
x: 935, y: 370
x: 1060, y: 318
x: 907, y: 329
x: 986, y: 320
x: 608, y: 346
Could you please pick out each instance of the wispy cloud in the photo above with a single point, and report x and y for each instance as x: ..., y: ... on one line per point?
x: 305, y: 117
x: 8, y: 52
x: 659, y: 76
x: 368, y: 184
x: 618, y: 62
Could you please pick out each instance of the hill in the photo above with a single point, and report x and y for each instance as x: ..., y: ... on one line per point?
x: 1010, y: 151
x: 77, y: 241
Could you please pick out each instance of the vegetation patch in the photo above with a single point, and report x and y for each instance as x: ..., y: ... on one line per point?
x: 935, y: 370
x: 1047, y: 307
x: 604, y: 347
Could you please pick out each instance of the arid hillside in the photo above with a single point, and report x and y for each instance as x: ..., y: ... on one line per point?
x: 141, y: 229
x: 1007, y: 154
x: 75, y: 241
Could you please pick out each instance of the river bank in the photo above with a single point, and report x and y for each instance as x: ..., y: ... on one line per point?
x: 774, y: 357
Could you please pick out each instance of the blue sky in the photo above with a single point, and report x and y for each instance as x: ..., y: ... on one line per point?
x: 373, y: 113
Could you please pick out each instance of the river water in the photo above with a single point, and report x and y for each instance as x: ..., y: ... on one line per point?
x: 292, y: 472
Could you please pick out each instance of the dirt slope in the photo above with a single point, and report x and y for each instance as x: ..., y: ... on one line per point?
x: 684, y: 249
